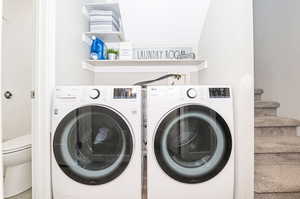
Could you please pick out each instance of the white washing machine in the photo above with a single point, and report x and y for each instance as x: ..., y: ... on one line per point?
x: 190, y: 142
x: 96, y: 139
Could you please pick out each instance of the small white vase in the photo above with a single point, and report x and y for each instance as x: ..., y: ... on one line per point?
x: 112, y: 56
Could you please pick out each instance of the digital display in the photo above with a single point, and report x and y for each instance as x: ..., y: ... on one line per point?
x: 125, y: 93
x: 219, y: 93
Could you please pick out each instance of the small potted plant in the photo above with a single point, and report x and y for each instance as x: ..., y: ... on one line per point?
x: 112, y: 54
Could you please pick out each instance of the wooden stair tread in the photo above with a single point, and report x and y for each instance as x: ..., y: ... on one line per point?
x: 271, y: 121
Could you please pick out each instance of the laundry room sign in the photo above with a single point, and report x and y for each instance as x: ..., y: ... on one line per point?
x: 162, y: 53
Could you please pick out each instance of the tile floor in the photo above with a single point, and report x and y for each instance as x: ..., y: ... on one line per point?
x: 24, y: 195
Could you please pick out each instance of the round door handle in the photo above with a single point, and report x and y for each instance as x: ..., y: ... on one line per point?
x: 8, y: 95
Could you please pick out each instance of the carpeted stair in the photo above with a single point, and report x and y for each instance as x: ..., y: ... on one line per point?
x: 277, y: 152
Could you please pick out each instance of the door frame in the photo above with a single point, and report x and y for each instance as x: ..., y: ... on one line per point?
x: 44, y: 82
x: 1, y: 159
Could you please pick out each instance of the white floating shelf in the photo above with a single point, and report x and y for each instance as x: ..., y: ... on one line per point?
x: 105, y: 36
x: 104, y: 5
x: 139, y: 66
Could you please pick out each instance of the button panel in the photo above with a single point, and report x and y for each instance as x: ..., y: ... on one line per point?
x: 67, y: 94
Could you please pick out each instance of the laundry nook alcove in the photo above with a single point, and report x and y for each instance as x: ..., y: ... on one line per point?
x: 103, y: 67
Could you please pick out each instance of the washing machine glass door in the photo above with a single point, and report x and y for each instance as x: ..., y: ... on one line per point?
x: 93, y: 145
x: 192, y: 144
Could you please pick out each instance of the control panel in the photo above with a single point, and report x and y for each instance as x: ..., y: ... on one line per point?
x: 219, y: 92
x: 67, y: 94
x: 125, y: 93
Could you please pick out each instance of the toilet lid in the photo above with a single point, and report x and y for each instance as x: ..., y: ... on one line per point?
x: 16, y: 144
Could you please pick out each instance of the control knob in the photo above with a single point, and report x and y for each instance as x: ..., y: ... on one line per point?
x: 191, y: 93
x: 94, y: 94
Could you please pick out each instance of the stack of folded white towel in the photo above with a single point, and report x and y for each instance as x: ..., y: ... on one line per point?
x: 103, y: 21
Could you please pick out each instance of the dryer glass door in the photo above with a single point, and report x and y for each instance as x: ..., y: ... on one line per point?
x: 192, y: 144
x: 93, y: 145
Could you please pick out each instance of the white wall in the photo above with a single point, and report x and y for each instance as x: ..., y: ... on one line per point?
x: 70, y: 50
x: 155, y: 21
x: 17, y: 62
x: 227, y: 44
x: 277, y: 50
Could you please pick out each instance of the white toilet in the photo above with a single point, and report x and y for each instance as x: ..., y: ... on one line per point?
x: 17, y: 165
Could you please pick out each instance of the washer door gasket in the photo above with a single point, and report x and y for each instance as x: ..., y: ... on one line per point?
x: 93, y: 145
x: 192, y: 144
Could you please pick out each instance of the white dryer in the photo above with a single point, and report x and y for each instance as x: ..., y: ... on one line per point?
x: 190, y: 142
x: 96, y: 139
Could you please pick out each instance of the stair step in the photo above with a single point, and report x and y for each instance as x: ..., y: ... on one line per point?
x: 275, y: 126
x: 258, y: 94
x: 266, y: 104
x: 277, y: 144
x: 276, y: 131
x: 264, y: 108
x: 276, y: 122
x: 277, y: 173
x: 278, y: 196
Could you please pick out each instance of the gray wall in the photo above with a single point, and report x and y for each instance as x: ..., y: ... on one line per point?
x: 277, y: 53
